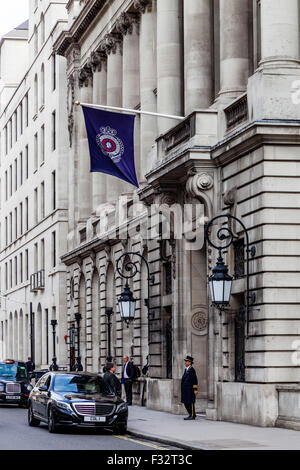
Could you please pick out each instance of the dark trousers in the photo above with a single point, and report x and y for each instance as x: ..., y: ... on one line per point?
x: 128, y: 391
x: 190, y: 408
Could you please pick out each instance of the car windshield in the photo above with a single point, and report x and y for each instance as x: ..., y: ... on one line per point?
x: 12, y: 370
x: 79, y: 384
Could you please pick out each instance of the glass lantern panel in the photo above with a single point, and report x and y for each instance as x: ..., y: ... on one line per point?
x: 227, y: 290
x: 218, y: 290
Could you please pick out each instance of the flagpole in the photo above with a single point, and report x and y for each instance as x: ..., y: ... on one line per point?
x: 136, y: 111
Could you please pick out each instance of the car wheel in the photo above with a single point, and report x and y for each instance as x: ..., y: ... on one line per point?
x: 52, y: 427
x: 121, y: 429
x: 32, y: 421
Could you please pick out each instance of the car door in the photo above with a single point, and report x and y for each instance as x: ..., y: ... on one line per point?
x: 39, y: 396
x: 44, y: 396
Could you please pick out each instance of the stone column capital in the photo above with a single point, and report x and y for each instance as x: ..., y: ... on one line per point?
x: 143, y: 5
x: 73, y: 56
x: 112, y: 43
x: 85, y: 77
x: 97, y: 61
x: 126, y: 22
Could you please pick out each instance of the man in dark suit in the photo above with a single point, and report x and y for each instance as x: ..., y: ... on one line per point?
x: 189, y: 388
x: 128, y: 374
x: 30, y: 366
x: 112, y: 380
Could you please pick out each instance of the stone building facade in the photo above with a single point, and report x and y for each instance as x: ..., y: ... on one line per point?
x: 34, y: 203
x: 231, y: 69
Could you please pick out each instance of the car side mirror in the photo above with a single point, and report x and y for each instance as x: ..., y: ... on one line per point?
x: 43, y: 388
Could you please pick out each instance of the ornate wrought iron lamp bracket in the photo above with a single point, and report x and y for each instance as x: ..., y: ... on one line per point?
x: 222, y: 234
x: 131, y: 267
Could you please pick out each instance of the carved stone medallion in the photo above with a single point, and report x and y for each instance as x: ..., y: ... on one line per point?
x: 199, y: 321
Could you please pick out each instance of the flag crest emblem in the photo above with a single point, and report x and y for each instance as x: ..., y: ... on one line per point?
x: 110, y: 145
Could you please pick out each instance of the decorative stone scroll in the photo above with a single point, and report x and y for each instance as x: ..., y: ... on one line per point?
x: 199, y: 182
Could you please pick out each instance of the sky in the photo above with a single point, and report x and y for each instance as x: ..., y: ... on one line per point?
x: 12, y: 13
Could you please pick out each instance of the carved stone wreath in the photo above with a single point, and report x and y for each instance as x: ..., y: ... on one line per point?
x: 199, y: 321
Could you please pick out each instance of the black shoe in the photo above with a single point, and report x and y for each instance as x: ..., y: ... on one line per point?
x: 188, y: 418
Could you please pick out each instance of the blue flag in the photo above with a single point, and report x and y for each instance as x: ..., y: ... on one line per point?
x: 111, y: 144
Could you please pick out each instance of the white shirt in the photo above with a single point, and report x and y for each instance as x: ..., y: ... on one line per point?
x: 125, y: 373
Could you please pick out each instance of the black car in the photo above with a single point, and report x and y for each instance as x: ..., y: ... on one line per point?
x: 76, y: 399
x: 15, y: 385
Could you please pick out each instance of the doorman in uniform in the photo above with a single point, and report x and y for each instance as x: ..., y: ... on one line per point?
x: 189, y: 388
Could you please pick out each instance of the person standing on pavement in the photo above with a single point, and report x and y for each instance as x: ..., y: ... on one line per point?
x: 30, y: 366
x: 111, y: 380
x: 189, y: 388
x: 128, y: 374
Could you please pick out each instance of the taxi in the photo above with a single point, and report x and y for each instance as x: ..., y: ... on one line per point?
x: 15, y: 385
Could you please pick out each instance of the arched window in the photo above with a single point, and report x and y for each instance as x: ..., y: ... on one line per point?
x: 35, y: 38
x: 42, y: 84
x: 35, y: 94
x: 82, y: 310
x: 42, y: 26
x: 111, y: 303
x: 95, y: 320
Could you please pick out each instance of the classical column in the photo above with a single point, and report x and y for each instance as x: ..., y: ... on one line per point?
x: 198, y: 80
x: 84, y: 175
x: 128, y: 26
x: 169, y: 61
x: 279, y: 31
x: 148, y: 82
x: 234, y: 47
x: 99, y: 66
x: 114, y: 48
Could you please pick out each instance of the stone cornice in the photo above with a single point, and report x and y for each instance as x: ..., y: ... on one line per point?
x: 80, y: 25
x: 254, y: 135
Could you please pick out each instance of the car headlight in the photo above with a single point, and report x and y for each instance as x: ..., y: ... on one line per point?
x: 28, y: 388
x: 63, y: 405
x: 122, y: 407
x: 2, y: 387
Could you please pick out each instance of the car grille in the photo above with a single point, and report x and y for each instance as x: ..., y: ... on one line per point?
x: 103, y: 409
x: 13, y: 388
x: 99, y: 409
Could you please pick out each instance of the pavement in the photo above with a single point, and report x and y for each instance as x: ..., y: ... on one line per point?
x: 204, y: 434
